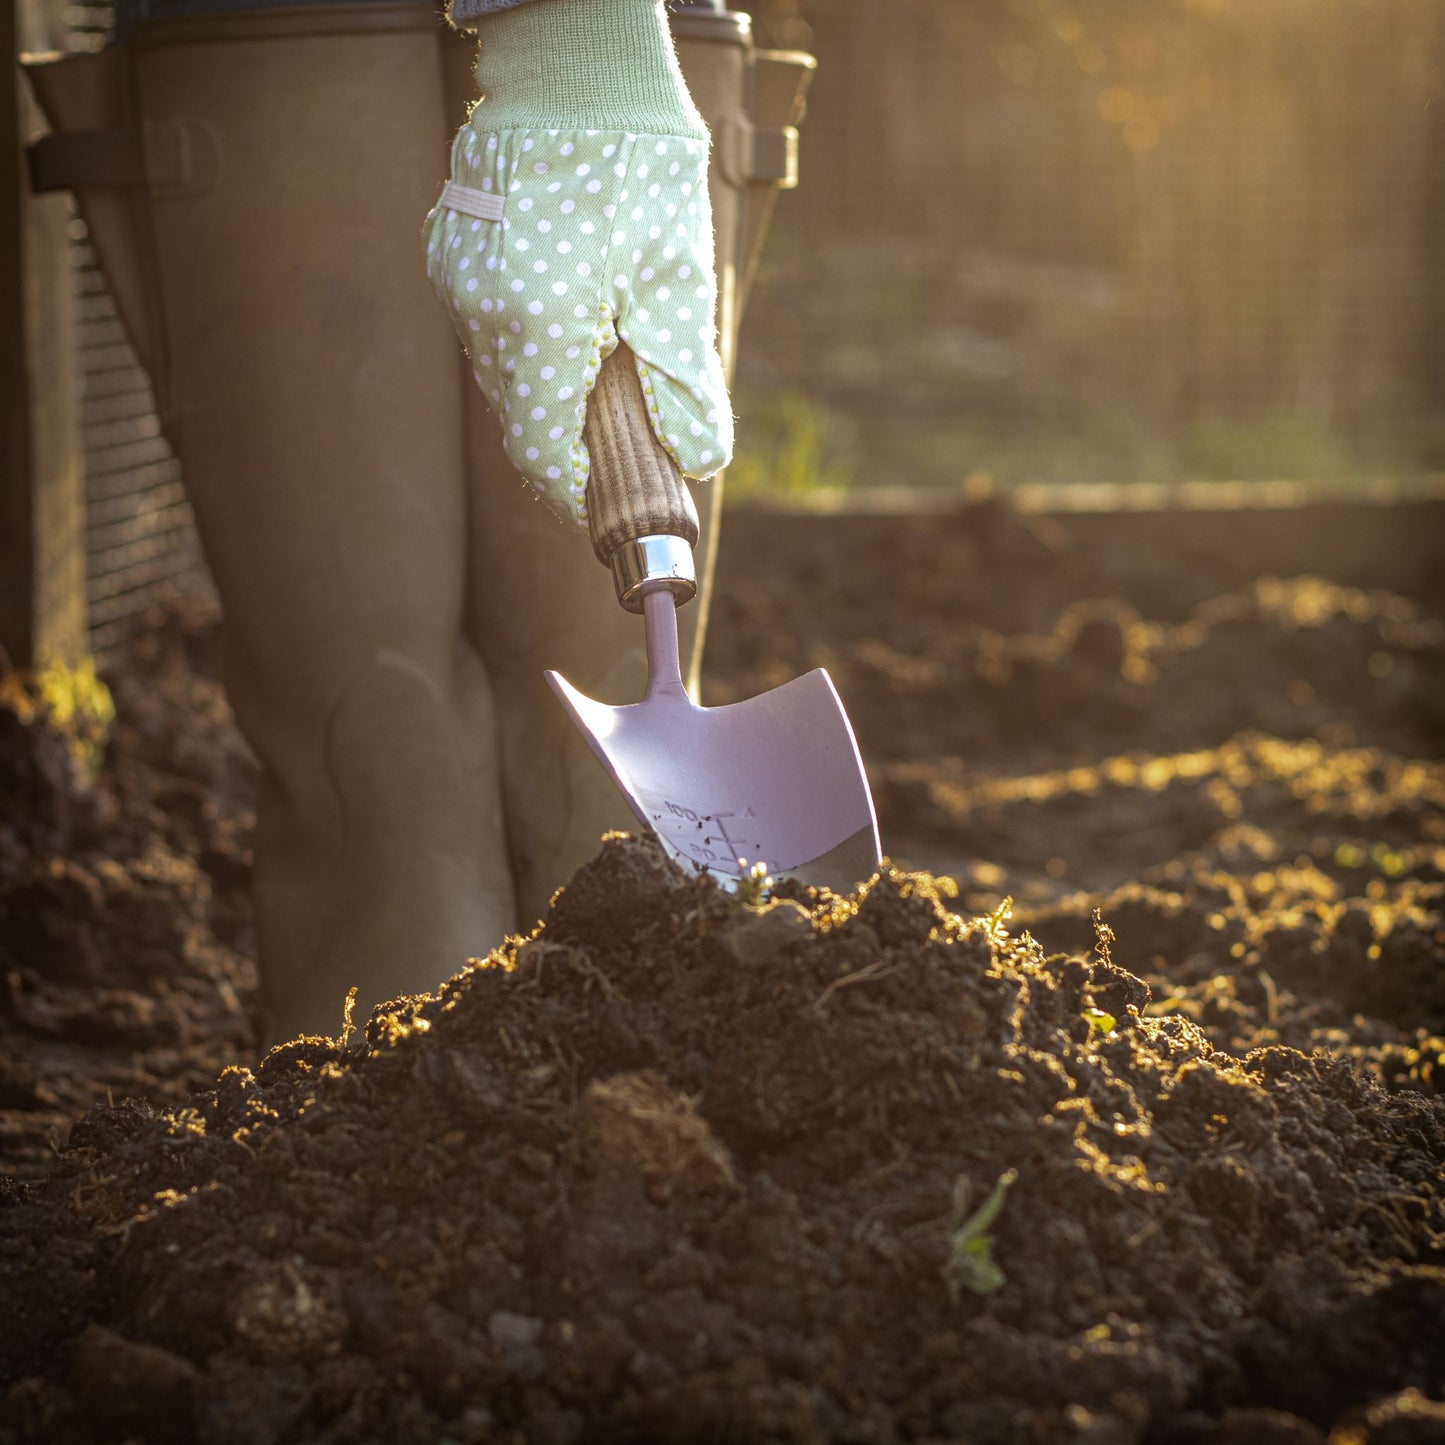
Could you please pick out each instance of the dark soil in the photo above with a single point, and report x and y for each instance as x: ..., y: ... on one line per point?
x: 679, y: 1169
x: 125, y: 932
x: 1242, y: 769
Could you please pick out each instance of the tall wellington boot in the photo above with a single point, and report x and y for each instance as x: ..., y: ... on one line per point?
x: 538, y: 598
x: 312, y: 391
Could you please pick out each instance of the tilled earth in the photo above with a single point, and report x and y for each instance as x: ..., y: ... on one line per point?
x: 910, y: 1165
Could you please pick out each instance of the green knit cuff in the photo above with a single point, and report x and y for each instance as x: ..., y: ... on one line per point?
x: 583, y: 64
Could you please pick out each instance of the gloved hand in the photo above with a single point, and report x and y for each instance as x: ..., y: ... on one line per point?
x: 578, y: 212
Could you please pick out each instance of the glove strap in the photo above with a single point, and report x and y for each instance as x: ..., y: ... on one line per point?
x: 484, y: 205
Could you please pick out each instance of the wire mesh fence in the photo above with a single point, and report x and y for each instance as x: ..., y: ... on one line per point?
x: 1111, y: 240
x: 1060, y: 241
x: 141, y: 543
x: 140, y: 539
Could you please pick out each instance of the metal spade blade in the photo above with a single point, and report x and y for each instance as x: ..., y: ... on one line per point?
x: 776, y: 779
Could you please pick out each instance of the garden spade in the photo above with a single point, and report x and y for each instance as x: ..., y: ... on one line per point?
x: 775, y: 780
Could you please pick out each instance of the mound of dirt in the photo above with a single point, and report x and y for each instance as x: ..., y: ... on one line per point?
x: 867, y: 1169
x: 671, y: 1169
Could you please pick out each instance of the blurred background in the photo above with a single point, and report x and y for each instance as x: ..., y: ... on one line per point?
x: 1110, y: 241
x: 1090, y: 251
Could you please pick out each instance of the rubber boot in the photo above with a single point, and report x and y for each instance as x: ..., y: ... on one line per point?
x: 312, y: 392
x: 538, y: 597
x: 371, y: 717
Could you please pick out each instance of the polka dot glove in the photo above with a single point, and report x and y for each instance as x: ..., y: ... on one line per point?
x: 577, y: 213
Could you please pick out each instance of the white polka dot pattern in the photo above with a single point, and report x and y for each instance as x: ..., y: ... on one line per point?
x: 602, y: 235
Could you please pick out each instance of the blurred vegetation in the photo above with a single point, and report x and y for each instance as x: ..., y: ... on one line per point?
x: 788, y: 445
x: 72, y: 702
x: 1105, y: 240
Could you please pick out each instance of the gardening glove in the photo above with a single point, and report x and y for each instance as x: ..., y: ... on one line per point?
x: 577, y: 213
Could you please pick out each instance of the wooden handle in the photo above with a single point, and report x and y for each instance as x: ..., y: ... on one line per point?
x: 634, y: 489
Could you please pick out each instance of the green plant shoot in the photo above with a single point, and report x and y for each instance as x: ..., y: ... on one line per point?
x: 78, y: 707
x: 754, y: 884
x: 970, y: 1265
x: 998, y: 920
x: 1100, y: 1021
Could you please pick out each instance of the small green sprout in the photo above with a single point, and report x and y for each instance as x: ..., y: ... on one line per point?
x: 754, y: 883
x: 970, y: 1265
x: 1101, y: 1022
x: 1104, y: 938
x: 998, y: 920
x: 347, y: 1010
x: 79, y: 708
x: 995, y: 927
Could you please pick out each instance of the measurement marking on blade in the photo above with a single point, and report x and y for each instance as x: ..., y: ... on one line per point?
x: 701, y: 850
x: 732, y: 848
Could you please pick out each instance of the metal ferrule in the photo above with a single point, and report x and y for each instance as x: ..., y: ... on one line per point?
x: 648, y: 563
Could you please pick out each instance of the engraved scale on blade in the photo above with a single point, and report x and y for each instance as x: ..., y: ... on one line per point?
x: 776, y: 779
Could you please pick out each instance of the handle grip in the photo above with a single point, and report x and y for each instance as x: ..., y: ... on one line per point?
x: 641, y: 516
